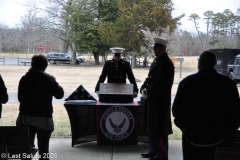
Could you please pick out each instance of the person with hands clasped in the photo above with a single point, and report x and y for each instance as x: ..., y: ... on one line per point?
x: 116, y: 71
x: 157, y: 89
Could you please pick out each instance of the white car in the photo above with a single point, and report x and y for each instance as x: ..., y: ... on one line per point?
x: 79, y: 59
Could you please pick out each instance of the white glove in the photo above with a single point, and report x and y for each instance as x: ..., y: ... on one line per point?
x: 143, y: 94
x: 97, y: 92
x: 135, y: 94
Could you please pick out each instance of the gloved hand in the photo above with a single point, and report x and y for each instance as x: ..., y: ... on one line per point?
x: 97, y: 92
x: 135, y: 94
x: 143, y: 93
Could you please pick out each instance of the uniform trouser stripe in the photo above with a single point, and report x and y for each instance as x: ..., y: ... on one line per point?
x: 159, y: 146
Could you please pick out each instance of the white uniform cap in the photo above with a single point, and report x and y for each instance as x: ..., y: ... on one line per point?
x: 118, y: 50
x: 160, y: 42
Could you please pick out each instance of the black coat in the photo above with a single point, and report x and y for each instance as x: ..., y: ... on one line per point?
x: 117, y: 72
x: 207, y: 106
x: 35, y: 92
x: 159, y: 85
x: 3, y: 94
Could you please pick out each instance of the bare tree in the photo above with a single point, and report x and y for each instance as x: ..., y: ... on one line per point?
x: 194, y: 17
x: 208, y: 18
x: 238, y: 28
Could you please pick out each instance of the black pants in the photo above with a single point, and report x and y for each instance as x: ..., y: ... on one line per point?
x: 191, y: 152
x: 43, y: 137
x: 158, y: 146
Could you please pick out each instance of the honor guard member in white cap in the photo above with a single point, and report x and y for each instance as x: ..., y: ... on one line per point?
x: 157, y: 89
x: 117, y: 70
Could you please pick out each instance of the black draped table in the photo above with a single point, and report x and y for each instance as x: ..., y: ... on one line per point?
x: 106, y: 123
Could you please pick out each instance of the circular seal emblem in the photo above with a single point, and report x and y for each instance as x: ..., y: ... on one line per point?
x: 117, y: 123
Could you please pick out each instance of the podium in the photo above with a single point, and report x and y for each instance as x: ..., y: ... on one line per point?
x: 117, y: 123
x: 111, y: 123
x: 116, y: 93
x: 116, y: 115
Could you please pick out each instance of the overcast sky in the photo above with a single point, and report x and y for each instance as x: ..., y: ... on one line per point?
x: 12, y: 10
x: 199, y: 7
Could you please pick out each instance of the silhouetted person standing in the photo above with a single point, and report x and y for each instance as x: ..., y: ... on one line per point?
x: 3, y: 94
x: 35, y: 93
x: 206, y: 109
x: 116, y: 71
x: 157, y: 89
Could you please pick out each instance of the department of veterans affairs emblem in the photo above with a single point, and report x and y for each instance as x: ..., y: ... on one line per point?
x: 117, y: 123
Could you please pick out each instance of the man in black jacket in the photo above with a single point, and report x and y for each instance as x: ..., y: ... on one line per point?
x: 117, y: 70
x: 206, y: 109
x: 157, y: 89
x: 35, y: 93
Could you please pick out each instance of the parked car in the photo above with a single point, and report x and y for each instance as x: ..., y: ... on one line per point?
x: 79, y: 59
x: 234, y: 69
x: 57, y: 57
x: 224, y: 55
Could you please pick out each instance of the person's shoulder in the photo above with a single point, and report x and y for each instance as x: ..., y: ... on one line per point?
x: 168, y: 60
x: 191, y: 77
x: 124, y: 61
x: 111, y: 60
x: 108, y: 62
x: 224, y: 78
x: 51, y: 77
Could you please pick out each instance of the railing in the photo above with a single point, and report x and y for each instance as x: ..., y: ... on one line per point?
x: 2, y: 60
x: 142, y: 63
x: 14, y: 60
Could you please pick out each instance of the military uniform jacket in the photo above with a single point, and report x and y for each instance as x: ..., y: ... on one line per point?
x: 117, y: 72
x: 158, y: 85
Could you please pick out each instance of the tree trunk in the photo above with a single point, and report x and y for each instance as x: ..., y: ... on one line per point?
x: 65, y: 47
x: 104, y: 58
x: 134, y: 60
x: 238, y: 40
x: 96, y: 57
x: 145, y: 62
x: 73, y: 55
x: 199, y: 35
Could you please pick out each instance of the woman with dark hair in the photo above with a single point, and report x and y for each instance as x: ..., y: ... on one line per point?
x: 35, y: 91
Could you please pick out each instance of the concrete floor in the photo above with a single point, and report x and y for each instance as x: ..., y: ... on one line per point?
x: 60, y: 148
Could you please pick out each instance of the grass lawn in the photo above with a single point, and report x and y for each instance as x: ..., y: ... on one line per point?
x: 70, y: 77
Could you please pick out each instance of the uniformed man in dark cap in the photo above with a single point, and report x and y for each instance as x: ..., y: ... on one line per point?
x: 157, y: 89
x: 117, y: 70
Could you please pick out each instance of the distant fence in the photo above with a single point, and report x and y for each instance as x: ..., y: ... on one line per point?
x: 2, y: 60
x: 14, y: 60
